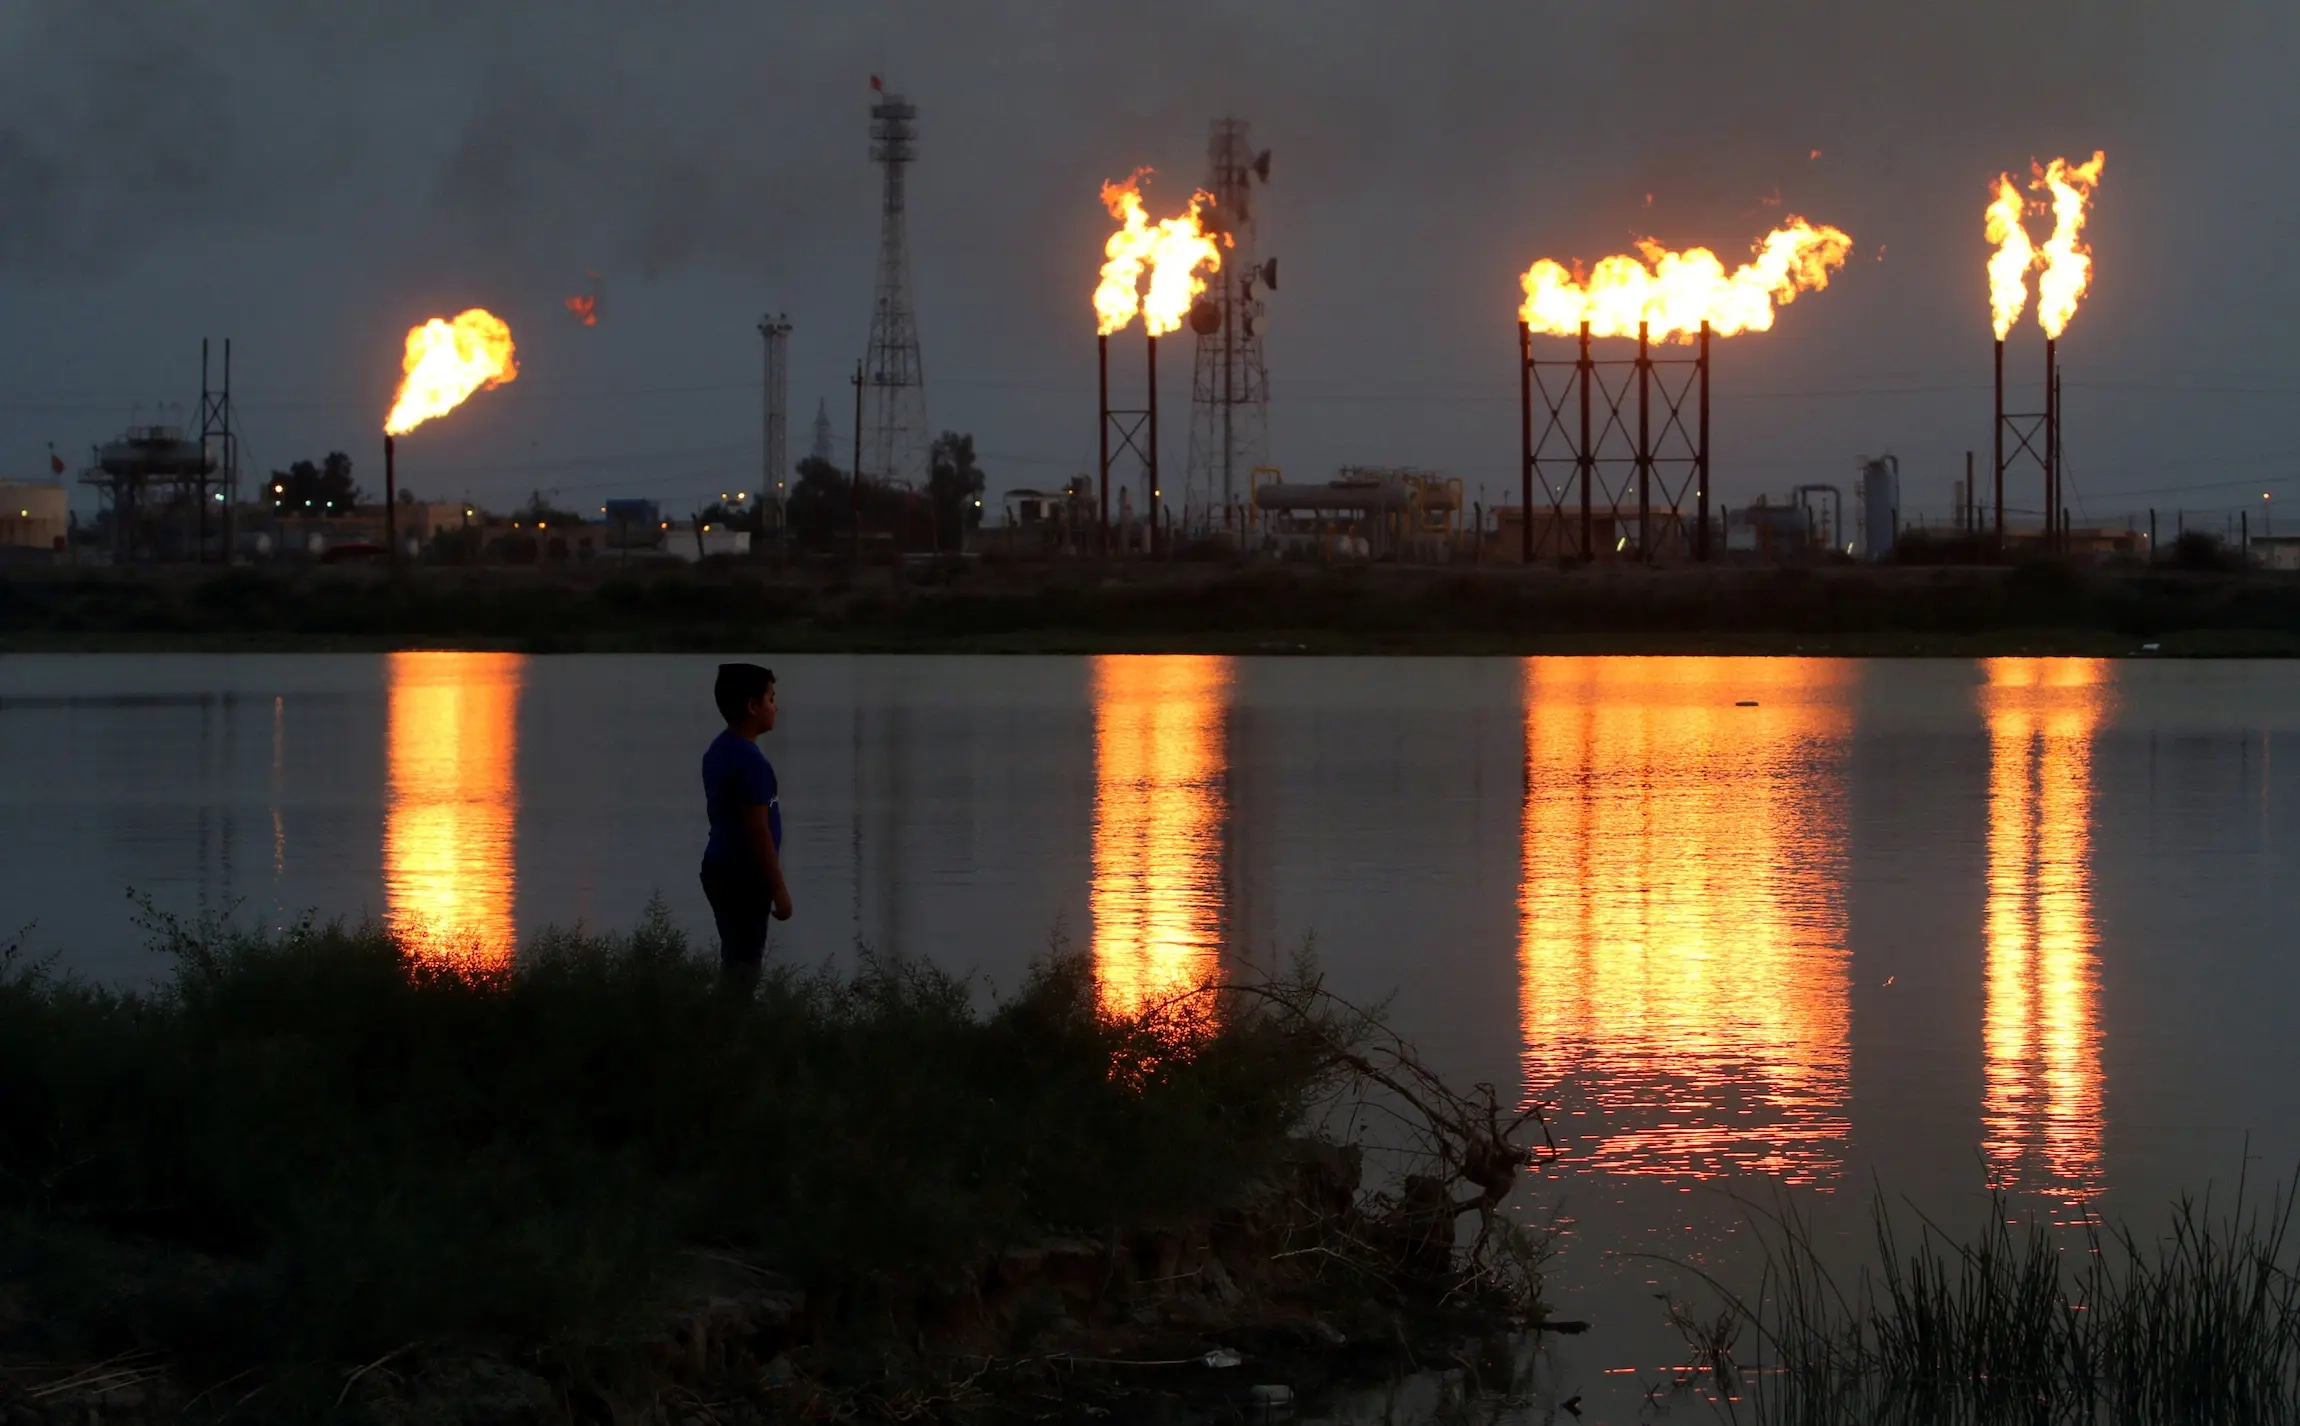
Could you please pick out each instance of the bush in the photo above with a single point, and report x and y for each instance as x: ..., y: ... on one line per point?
x: 321, y: 1144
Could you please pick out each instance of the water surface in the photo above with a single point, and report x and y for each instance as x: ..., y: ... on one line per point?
x: 1751, y: 925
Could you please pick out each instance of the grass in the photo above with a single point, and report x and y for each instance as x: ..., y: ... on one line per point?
x: 319, y: 1146
x: 2024, y: 1322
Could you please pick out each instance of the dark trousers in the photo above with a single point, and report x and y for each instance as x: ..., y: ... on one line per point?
x: 741, y: 903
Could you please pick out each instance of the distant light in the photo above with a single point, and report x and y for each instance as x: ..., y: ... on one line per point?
x: 542, y: 524
x: 279, y: 490
x: 1621, y: 544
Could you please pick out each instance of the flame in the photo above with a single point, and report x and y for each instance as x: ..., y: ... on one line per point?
x: 1173, y: 250
x: 1673, y: 293
x: 2008, y: 269
x: 2067, y: 261
x: 586, y: 309
x: 446, y: 362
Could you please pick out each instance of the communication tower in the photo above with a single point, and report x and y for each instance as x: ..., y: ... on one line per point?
x: 894, y: 380
x: 822, y: 446
x: 777, y: 331
x: 1230, y: 390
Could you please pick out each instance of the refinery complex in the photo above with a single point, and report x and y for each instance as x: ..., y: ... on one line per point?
x: 1610, y: 460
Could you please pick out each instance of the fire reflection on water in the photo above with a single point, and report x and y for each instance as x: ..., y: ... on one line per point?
x: 1160, y: 804
x: 1686, y: 991
x: 449, y: 827
x: 2041, y: 1029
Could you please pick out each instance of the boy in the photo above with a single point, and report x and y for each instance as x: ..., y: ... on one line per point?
x: 742, y: 865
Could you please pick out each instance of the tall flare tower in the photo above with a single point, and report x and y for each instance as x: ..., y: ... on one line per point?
x: 776, y: 448
x: 1230, y: 392
x: 894, y: 434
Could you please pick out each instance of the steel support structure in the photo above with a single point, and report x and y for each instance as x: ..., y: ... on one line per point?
x: 220, y: 445
x: 775, y: 438
x: 2031, y: 438
x: 1592, y: 427
x: 1129, y: 432
x: 897, y: 435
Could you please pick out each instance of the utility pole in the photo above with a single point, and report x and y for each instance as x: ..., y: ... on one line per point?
x: 854, y: 483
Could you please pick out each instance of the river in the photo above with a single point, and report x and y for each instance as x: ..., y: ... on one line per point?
x: 1753, y: 926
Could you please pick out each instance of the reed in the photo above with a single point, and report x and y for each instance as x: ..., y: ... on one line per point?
x: 2026, y: 1322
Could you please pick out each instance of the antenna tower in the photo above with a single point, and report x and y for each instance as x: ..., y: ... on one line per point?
x: 777, y: 450
x: 894, y: 384
x: 1230, y: 391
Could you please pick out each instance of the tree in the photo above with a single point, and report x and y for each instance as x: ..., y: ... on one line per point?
x: 323, y: 489
x: 820, y: 506
x: 540, y: 511
x: 955, y: 485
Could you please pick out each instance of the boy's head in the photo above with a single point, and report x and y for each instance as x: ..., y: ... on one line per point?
x: 745, y: 694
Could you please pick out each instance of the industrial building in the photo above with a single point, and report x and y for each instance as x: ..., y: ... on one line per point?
x: 1366, y: 512
x: 34, y: 516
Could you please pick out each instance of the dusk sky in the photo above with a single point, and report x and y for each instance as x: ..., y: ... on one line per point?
x: 312, y: 179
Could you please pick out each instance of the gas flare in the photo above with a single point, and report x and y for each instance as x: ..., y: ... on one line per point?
x: 2015, y: 255
x: 2067, y: 261
x: 1673, y: 293
x: 1177, y: 253
x: 446, y: 362
x: 586, y: 309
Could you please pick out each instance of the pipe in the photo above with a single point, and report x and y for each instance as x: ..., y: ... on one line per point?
x: 1156, y: 493
x: 1588, y: 458
x: 1997, y: 433
x: 1525, y: 438
x: 1701, y: 497
x: 2055, y: 520
x: 1102, y: 346
x: 1644, y: 446
x: 390, y: 499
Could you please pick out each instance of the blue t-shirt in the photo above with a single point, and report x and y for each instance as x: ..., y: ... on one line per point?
x: 736, y: 776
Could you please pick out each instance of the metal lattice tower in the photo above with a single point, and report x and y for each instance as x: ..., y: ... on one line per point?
x: 894, y: 394
x: 777, y: 451
x: 1230, y: 391
x: 822, y: 447
x: 220, y: 440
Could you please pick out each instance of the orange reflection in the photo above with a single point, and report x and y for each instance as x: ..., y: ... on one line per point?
x: 2041, y: 1029
x: 449, y: 826
x: 1160, y: 758
x: 1682, y: 932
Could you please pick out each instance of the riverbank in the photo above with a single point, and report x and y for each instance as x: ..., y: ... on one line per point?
x: 338, y: 1174
x: 1243, y: 608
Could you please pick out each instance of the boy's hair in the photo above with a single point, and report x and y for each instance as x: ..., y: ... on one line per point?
x: 740, y: 685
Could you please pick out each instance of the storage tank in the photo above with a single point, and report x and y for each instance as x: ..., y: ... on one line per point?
x: 1879, y: 495
x: 155, y: 453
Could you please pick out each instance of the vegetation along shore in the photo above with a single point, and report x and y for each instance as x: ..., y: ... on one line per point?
x: 986, y: 607
x: 324, y: 1175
